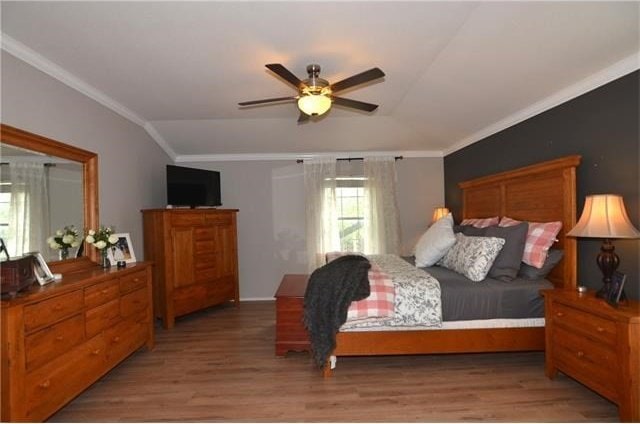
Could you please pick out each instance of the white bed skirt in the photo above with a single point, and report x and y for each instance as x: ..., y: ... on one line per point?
x: 459, y: 325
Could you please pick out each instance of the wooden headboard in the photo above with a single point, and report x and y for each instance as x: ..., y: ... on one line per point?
x: 538, y: 193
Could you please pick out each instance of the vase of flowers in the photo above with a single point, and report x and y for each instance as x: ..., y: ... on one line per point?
x: 63, y: 240
x: 102, y: 239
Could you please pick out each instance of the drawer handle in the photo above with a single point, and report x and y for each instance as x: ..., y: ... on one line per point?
x: 59, y: 338
x: 116, y: 339
x: 600, y: 330
x: 57, y: 307
x: 104, y: 291
x: 560, y: 314
x: 95, y: 352
x: 45, y: 384
x: 135, y: 280
x: 580, y: 354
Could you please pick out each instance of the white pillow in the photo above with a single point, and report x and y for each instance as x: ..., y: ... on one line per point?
x: 435, y: 242
x: 472, y: 256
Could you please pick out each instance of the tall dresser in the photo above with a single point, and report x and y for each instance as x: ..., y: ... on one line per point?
x: 196, y: 257
x: 59, y: 339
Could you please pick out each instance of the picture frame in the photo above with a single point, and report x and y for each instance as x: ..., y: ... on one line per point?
x: 41, y: 270
x: 122, y: 250
x: 616, y: 289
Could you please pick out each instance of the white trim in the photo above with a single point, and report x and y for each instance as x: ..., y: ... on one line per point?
x: 43, y: 64
x: 155, y: 135
x: 257, y: 299
x: 295, y: 156
x: 600, y: 78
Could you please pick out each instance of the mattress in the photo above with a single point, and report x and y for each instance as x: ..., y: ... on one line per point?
x: 465, y: 300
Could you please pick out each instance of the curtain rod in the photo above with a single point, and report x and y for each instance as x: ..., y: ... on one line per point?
x: 349, y: 159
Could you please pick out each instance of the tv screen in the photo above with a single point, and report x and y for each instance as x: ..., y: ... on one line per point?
x: 192, y: 187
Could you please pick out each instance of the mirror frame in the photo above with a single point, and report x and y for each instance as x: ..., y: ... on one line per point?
x: 26, y: 140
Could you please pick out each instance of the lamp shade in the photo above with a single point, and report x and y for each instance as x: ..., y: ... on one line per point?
x: 438, y: 213
x: 314, y: 104
x: 604, y: 216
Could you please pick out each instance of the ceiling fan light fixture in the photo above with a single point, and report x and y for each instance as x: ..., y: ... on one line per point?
x: 314, y: 104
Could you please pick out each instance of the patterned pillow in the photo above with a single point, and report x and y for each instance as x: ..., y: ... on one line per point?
x: 480, y: 222
x: 472, y: 256
x: 540, y: 237
x: 381, y: 301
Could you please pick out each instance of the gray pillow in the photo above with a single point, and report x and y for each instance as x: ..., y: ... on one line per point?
x: 529, y: 272
x: 507, y: 264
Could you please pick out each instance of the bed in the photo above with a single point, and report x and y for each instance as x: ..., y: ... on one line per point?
x: 541, y: 192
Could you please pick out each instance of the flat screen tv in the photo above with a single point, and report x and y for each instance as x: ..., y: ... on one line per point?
x: 192, y: 187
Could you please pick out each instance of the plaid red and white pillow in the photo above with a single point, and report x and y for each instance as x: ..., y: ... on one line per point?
x: 480, y: 222
x: 540, y: 237
x: 380, y: 303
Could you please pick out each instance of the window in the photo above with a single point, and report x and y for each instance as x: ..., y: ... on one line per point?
x: 5, y: 204
x: 350, y: 213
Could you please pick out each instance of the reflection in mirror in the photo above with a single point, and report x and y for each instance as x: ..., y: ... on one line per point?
x: 65, y: 193
x: 39, y: 194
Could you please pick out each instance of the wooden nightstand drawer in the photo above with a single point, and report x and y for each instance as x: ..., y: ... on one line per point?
x: 588, y: 324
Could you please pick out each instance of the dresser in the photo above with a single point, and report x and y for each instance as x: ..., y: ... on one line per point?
x: 290, y: 331
x: 60, y: 338
x: 196, y: 257
x: 596, y: 344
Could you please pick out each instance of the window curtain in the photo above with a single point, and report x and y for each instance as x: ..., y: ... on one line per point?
x: 29, y: 208
x: 381, y: 223
x: 322, y: 229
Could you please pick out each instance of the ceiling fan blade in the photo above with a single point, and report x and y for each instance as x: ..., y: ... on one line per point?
x: 361, y: 78
x: 273, y: 100
x: 285, y: 74
x: 303, y: 117
x: 355, y: 104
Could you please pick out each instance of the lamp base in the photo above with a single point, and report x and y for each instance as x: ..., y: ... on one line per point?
x: 608, y: 262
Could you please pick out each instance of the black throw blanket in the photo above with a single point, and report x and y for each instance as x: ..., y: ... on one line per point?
x: 330, y: 291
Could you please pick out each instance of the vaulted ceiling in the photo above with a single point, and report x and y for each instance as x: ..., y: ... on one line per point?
x: 455, y: 71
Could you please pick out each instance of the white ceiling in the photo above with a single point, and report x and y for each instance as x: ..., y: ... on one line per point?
x: 455, y: 71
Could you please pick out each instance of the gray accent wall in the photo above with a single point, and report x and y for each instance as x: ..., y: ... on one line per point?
x: 271, y: 221
x: 131, y: 165
x: 602, y: 126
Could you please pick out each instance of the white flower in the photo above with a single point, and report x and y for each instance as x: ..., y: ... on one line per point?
x: 100, y: 244
x: 113, y: 239
x: 68, y: 238
x: 55, y: 245
x: 50, y: 240
x: 59, y: 233
x: 92, y: 233
x: 75, y: 243
x: 90, y: 238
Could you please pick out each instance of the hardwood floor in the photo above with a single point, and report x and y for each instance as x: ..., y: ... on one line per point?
x: 219, y: 365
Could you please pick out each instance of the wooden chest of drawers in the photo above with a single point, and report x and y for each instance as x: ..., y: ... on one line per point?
x: 60, y: 338
x: 290, y: 331
x: 596, y: 344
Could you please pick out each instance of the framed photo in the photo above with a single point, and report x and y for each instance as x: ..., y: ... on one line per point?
x: 122, y: 250
x: 616, y: 290
x: 41, y: 269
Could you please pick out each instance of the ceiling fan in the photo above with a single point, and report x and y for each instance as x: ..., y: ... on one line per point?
x: 316, y: 95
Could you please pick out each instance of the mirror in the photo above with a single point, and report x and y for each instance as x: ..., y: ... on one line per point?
x: 58, y: 187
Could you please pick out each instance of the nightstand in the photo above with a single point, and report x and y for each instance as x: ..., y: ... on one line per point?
x: 596, y: 344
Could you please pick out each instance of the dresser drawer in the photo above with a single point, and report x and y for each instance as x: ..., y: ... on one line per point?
x: 50, y: 342
x: 582, y: 322
x: 187, y: 219
x: 133, y: 281
x: 218, y: 218
x: 101, y: 293
x: 125, y: 337
x: 101, y: 317
x: 205, y: 234
x: 133, y: 302
x: 587, y: 361
x: 49, y: 387
x: 53, y: 309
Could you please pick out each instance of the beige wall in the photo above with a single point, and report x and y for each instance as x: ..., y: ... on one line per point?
x: 131, y: 164
x: 271, y: 221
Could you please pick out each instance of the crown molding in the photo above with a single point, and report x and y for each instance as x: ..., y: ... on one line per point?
x: 155, y: 135
x: 600, y: 78
x: 296, y: 156
x: 43, y: 64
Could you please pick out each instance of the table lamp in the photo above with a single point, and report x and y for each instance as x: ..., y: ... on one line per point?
x: 438, y: 213
x: 604, y: 216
